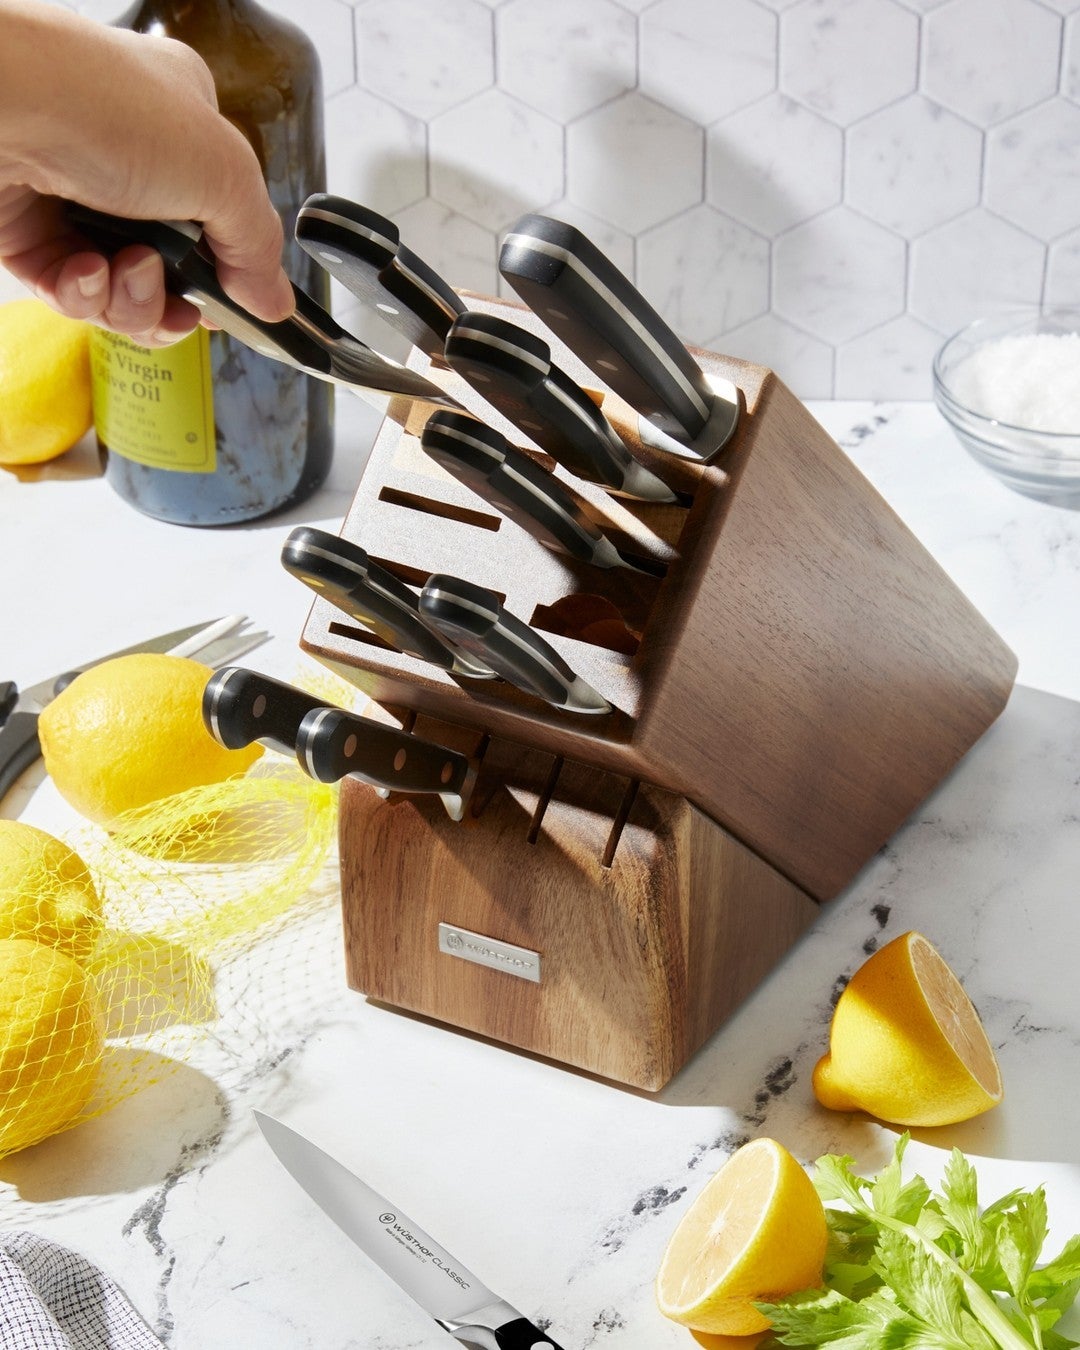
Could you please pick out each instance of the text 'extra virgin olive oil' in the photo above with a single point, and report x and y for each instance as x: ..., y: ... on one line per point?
x: 209, y: 432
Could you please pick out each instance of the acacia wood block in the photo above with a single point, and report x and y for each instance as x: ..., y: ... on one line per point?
x: 803, y: 672
x: 643, y: 951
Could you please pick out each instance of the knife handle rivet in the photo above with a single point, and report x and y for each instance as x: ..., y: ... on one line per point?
x: 447, y: 772
x: 608, y: 365
x: 327, y: 256
x: 349, y: 748
x: 399, y: 760
x: 556, y: 313
x: 259, y: 706
x: 387, y: 309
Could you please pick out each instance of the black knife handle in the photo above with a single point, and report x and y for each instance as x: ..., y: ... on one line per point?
x: 240, y: 706
x: 430, y: 306
x: 476, y: 619
x: 605, y: 320
x: 9, y: 694
x: 191, y: 275
x: 343, y: 574
x: 523, y: 1335
x: 331, y: 744
x: 512, y: 369
x: 19, y: 747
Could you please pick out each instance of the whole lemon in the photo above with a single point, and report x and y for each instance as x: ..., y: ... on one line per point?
x: 46, y: 892
x: 51, y: 1042
x: 129, y: 731
x: 757, y: 1231
x: 45, y: 402
x: 906, y: 1044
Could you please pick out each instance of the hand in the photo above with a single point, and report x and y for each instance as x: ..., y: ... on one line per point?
x: 124, y: 123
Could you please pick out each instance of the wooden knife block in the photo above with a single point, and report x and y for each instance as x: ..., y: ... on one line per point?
x: 795, y: 680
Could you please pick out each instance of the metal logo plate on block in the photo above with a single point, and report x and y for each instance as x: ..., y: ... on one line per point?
x: 486, y: 951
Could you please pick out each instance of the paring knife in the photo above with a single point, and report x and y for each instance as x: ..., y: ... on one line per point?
x: 476, y: 619
x: 423, y: 1269
x: 512, y: 369
x: 606, y: 321
x: 332, y: 743
x: 485, y: 461
x: 342, y: 572
x: 309, y: 339
x: 19, y: 708
x: 363, y: 251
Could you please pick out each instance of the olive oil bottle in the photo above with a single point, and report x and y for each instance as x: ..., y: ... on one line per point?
x: 209, y: 432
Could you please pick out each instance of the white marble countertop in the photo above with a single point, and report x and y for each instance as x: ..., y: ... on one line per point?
x: 559, y: 1190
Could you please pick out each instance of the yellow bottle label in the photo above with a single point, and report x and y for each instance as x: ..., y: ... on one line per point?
x: 155, y: 405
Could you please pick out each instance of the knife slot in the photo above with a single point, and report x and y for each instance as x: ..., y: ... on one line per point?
x: 592, y: 619
x: 543, y: 800
x: 446, y: 510
x: 619, y: 823
x: 360, y: 635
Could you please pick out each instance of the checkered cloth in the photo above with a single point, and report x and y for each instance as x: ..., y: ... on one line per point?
x: 54, y: 1299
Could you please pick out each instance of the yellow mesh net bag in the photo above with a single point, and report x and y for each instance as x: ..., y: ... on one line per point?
x: 117, y: 948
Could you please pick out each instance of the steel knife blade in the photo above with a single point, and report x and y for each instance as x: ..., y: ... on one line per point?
x: 606, y: 321
x: 240, y: 706
x: 475, y: 618
x: 426, y: 1271
x: 19, y: 745
x: 342, y: 573
x: 525, y: 492
x: 332, y: 743
x: 310, y: 339
x: 363, y: 251
x: 512, y: 369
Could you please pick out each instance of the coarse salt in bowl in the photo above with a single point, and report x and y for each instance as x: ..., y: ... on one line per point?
x: 1009, y: 386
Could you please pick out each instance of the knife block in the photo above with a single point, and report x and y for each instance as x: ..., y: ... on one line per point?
x: 790, y: 676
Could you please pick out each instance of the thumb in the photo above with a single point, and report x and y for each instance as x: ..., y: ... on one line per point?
x: 246, y: 236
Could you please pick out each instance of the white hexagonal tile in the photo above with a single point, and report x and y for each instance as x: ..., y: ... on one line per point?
x: 704, y: 59
x: 1063, y: 6
x: 847, y: 58
x: 425, y: 56
x: 890, y: 362
x: 774, y: 165
x: 565, y: 56
x: 974, y: 265
x: 462, y: 252
x: 375, y: 154
x: 1033, y: 169
x: 838, y: 275
x: 1063, y: 272
x: 1070, y: 65
x: 989, y: 61
x: 493, y: 158
x: 705, y: 273
x: 803, y: 363
x: 634, y: 163
x: 913, y: 166
x: 922, y: 6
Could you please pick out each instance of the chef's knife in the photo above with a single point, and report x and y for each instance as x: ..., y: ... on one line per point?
x: 342, y: 573
x: 476, y: 619
x: 485, y: 461
x: 512, y: 369
x: 240, y: 706
x: 606, y: 321
x: 19, y: 745
x: 309, y: 339
x: 427, y: 1272
x: 332, y: 743
x: 362, y: 250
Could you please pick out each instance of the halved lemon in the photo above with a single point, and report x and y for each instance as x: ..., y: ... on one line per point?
x: 906, y: 1043
x: 757, y: 1231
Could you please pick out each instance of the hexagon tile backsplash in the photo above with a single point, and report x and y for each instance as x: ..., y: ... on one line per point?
x: 827, y: 187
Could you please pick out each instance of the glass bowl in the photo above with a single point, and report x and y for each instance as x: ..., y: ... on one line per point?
x: 1040, y: 464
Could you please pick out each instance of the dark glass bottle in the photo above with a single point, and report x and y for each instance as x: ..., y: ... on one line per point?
x: 209, y: 432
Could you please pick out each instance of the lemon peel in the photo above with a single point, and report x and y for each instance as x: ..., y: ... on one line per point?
x: 129, y: 732
x: 46, y: 891
x: 45, y: 404
x: 906, y: 1043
